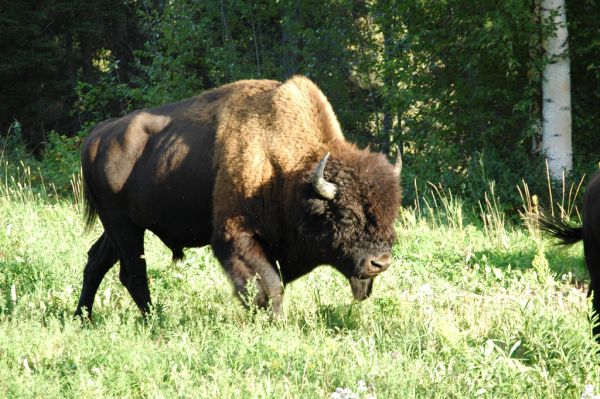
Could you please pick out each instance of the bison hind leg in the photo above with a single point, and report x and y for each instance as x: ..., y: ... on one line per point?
x: 133, y: 275
x: 101, y: 257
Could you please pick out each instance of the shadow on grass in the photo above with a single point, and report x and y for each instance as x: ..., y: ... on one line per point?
x: 560, y: 261
x: 563, y: 260
x: 333, y: 318
x: 517, y: 349
x: 338, y: 317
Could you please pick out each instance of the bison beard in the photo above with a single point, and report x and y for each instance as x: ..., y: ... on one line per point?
x: 257, y: 169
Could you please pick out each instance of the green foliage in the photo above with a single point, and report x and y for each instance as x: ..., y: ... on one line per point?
x: 52, y: 174
x: 11, y: 145
x: 47, y: 47
x: 466, y: 94
x: 61, y: 161
x: 98, y: 100
x: 457, y: 86
x: 585, y: 81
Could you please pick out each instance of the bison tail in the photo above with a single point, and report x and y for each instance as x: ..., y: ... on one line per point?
x: 558, y: 228
x: 89, y: 212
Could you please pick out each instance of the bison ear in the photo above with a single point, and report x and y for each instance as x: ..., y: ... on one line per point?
x: 315, y: 207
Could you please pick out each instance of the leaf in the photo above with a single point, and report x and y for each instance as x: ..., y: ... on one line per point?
x: 514, y: 348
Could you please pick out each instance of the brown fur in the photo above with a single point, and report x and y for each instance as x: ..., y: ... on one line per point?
x: 232, y: 168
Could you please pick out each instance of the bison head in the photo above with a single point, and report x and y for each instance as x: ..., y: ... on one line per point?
x: 350, y: 205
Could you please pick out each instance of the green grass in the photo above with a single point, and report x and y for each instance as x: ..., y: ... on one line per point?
x: 468, y: 309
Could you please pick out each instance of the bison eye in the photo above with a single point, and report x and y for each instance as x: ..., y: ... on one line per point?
x: 346, y: 222
x: 347, y: 218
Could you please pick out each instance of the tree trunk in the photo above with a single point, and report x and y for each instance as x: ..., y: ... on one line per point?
x: 556, y: 89
x: 533, y: 76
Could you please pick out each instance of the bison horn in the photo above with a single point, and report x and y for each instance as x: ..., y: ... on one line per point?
x: 398, y: 163
x: 324, y: 188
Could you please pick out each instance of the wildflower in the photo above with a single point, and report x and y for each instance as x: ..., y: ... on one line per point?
x: 588, y: 392
x: 343, y: 393
x: 425, y: 290
x: 347, y: 393
x: 26, y: 366
x: 362, y: 386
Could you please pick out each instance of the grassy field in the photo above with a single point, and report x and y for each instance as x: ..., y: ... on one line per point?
x: 467, y: 310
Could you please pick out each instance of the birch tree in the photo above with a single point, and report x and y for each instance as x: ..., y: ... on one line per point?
x: 556, y: 89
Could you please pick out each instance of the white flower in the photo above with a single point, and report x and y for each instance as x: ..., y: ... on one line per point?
x: 26, y: 366
x: 362, y: 386
x: 13, y: 293
x: 589, y: 389
x: 343, y: 393
x: 425, y: 290
x: 347, y: 393
x: 338, y: 394
x: 588, y: 392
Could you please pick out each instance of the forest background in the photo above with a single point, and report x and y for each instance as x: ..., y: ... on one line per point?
x: 456, y: 85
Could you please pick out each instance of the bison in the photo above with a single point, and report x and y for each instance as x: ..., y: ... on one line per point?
x: 589, y: 232
x: 259, y: 170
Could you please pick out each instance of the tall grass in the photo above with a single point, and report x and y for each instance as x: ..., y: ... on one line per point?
x: 468, y: 309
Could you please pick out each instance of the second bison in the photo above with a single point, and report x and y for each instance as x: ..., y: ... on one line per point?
x: 258, y: 169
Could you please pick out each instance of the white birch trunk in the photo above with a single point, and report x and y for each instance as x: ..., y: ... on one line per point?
x: 556, y: 90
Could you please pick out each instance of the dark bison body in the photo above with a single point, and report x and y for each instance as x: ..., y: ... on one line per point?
x: 246, y: 169
x: 589, y: 232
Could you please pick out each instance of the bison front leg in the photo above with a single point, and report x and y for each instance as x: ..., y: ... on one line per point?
x: 245, y: 261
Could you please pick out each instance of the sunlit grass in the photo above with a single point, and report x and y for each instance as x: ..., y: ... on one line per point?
x: 470, y: 308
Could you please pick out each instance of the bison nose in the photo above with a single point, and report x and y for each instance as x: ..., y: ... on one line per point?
x: 377, y: 264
